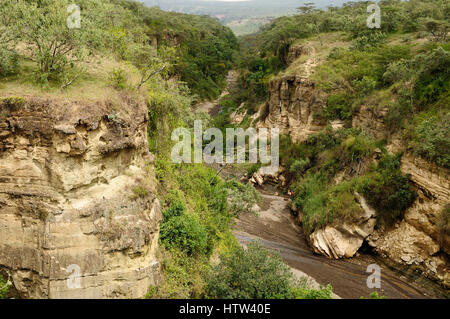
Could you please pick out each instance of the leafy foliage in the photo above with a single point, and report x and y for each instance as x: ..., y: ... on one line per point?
x: 242, y: 198
x: 387, y: 190
x: 4, y: 287
x: 197, y: 48
x: 185, y: 233
x: 321, y: 200
x: 254, y: 273
x: 431, y: 139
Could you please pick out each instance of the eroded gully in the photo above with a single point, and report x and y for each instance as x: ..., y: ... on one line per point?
x: 276, y: 229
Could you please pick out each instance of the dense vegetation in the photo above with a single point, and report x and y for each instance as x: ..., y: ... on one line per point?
x: 316, y: 165
x: 169, y: 60
x: 130, y: 31
x: 198, y: 211
x: 235, y: 277
x: 401, y: 69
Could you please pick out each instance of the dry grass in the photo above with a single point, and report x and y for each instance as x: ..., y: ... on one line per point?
x: 321, y: 47
x: 91, y: 85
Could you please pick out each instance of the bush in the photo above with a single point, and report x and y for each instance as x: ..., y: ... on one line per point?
x: 185, y: 233
x: 118, y: 79
x: 253, y: 169
x: 339, y: 107
x: 254, y: 273
x: 242, y: 198
x: 177, y: 208
x: 321, y: 205
x: 9, y: 62
x: 369, y: 40
x: 4, y: 287
x: 387, y: 190
x: 431, y: 139
x: 433, y: 77
x: 299, y: 166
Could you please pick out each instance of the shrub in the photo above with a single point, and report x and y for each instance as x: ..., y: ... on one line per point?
x: 9, y: 62
x: 321, y: 205
x: 253, y: 169
x: 185, y: 233
x: 4, y: 287
x: 387, y: 190
x: 431, y: 139
x: 369, y: 40
x: 177, y: 208
x: 433, y: 77
x: 117, y: 79
x: 376, y: 295
x: 366, y: 85
x: 299, y: 166
x: 140, y: 191
x: 242, y: 198
x: 338, y: 107
x: 355, y: 148
x: 254, y: 273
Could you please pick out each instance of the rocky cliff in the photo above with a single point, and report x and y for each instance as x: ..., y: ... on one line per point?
x: 291, y: 107
x: 416, y: 241
x: 78, y: 215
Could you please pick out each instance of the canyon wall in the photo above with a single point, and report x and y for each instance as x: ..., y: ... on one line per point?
x: 415, y: 241
x: 291, y: 107
x: 78, y: 213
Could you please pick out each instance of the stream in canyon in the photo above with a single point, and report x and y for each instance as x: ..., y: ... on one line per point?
x: 276, y: 229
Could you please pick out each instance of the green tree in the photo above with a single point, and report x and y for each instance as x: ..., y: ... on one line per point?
x: 151, y: 61
x: 254, y: 273
x: 42, y: 27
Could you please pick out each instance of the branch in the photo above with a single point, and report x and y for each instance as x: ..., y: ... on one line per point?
x: 150, y: 76
x: 70, y: 82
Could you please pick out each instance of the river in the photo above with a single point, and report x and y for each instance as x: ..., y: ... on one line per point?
x: 276, y: 229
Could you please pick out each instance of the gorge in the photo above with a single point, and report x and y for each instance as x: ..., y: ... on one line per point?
x: 93, y: 204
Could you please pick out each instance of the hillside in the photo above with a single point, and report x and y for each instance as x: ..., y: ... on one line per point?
x: 91, y: 204
x: 364, y: 114
x: 243, y: 17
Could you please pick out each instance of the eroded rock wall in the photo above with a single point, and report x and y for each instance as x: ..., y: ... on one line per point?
x: 418, y: 240
x: 292, y: 105
x: 67, y: 174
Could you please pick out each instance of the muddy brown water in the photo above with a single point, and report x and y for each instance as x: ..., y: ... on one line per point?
x: 275, y: 228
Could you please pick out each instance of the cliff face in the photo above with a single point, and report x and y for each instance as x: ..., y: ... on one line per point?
x: 417, y: 240
x: 67, y: 174
x: 291, y: 107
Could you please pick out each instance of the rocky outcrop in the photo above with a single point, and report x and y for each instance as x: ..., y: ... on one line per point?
x: 418, y: 240
x: 293, y: 103
x: 269, y: 174
x: 296, y: 51
x: 343, y: 240
x: 372, y: 120
x: 78, y: 216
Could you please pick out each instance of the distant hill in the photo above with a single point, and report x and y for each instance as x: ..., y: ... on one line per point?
x: 243, y: 17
